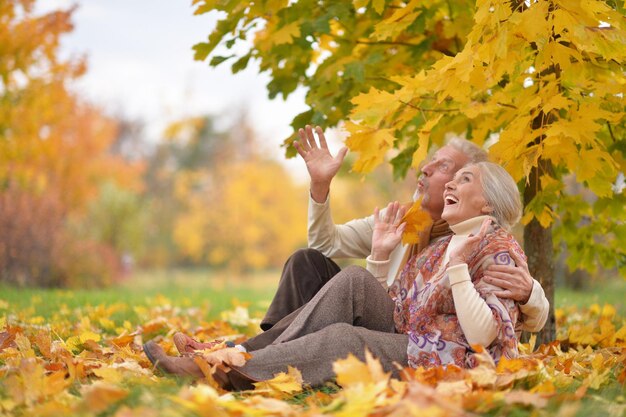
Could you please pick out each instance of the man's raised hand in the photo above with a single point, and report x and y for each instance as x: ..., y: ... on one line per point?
x: 322, y: 166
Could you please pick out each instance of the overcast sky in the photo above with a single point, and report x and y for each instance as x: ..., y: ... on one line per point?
x: 141, y: 64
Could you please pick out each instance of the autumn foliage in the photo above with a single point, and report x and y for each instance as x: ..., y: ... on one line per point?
x: 54, y: 150
x: 88, y: 361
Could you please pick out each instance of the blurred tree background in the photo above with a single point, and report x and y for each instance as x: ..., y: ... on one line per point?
x: 85, y: 196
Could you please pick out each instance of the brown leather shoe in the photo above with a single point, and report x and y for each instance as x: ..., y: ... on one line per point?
x: 185, y: 344
x: 233, y: 379
x: 181, y: 366
x: 230, y: 379
x: 240, y: 380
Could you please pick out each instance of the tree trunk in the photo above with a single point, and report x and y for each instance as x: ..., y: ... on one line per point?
x: 539, y: 250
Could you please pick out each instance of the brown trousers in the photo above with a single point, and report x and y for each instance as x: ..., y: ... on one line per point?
x: 349, y: 314
x: 304, y: 274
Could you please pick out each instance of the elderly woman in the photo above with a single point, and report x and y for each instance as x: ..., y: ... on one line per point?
x: 432, y: 313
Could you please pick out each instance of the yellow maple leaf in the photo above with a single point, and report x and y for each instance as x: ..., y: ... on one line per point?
x: 351, y: 371
x: 108, y: 374
x: 378, y: 5
x: 286, y: 34
x: 608, y: 311
x: 258, y: 406
x: 372, y: 107
x: 397, y: 22
x: 202, y: 399
x: 100, y: 395
x: 228, y: 356
x: 525, y: 398
x: 450, y: 388
x: 594, y: 309
x: 237, y: 317
x: 88, y: 335
x: 23, y: 345
x: 283, y: 383
x: 545, y: 387
x: 371, y: 144
x: 417, y: 220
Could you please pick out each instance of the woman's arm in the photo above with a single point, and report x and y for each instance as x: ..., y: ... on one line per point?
x: 474, y: 315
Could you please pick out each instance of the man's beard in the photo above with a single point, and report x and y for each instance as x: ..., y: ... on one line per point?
x: 416, y: 195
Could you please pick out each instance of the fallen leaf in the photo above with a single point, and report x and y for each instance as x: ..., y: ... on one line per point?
x: 352, y: 371
x: 228, y: 356
x: 87, y: 335
x: 98, y: 396
x: 283, y: 383
x: 525, y: 398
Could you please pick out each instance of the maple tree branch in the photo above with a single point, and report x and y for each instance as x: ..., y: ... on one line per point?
x: 507, y: 105
x: 385, y: 43
x: 364, y: 42
x: 610, y: 131
x: 431, y: 110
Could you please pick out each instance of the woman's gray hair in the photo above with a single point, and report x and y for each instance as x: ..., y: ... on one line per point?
x: 501, y: 193
x: 473, y: 152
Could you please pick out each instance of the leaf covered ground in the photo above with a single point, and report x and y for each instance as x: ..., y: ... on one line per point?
x: 88, y: 361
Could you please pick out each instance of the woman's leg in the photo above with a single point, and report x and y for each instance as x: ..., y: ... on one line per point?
x: 314, y: 354
x: 352, y: 296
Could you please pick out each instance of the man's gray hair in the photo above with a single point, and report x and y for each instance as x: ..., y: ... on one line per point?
x: 500, y: 191
x: 473, y: 152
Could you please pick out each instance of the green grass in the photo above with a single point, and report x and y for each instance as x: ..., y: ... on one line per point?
x: 213, y: 291
x: 217, y: 290
x: 607, y: 292
x: 182, y: 287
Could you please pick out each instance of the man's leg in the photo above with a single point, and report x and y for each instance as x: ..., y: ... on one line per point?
x: 304, y: 274
x: 314, y: 354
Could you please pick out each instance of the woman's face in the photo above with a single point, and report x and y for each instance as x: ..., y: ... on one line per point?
x: 463, y: 197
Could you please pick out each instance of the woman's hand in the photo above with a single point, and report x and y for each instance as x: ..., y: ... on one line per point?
x: 387, y: 231
x: 461, y: 254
